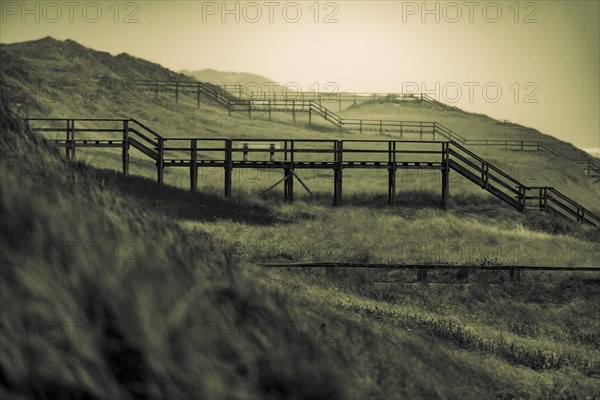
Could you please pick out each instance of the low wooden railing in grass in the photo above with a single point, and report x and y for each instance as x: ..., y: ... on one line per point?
x: 295, y: 154
x: 514, y: 271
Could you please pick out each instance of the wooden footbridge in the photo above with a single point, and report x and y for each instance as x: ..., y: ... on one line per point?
x: 291, y: 155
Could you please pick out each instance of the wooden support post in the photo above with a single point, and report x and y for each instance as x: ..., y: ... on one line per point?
x: 545, y: 199
x: 270, y: 110
x: 288, y: 185
x: 177, y: 92
x: 422, y: 275
x: 160, y: 163
x: 67, y: 140
x: 125, y: 148
x: 272, y: 152
x: 228, y: 167
x: 156, y: 89
x: 245, y: 151
x: 294, y: 111
x: 309, y: 115
x: 392, y: 173
x: 339, y: 102
x: 194, y: 166
x: 445, y: 174
x: 72, y: 139
x: 337, y: 173
x: 360, y: 126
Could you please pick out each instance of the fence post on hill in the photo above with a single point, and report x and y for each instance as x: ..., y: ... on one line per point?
x: 445, y: 174
x: 228, y: 167
x: 177, y: 92
x: 198, y: 95
x: 194, y: 166
x: 160, y: 163
x: 392, y: 173
x: 309, y: 113
x: 337, y: 172
x: 125, y: 151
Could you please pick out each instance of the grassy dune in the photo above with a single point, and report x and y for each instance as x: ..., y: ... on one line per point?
x: 167, y: 313
x: 117, y: 287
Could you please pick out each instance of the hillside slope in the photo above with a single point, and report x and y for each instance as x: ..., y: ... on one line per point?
x: 226, y: 78
x: 116, y: 301
x: 177, y: 309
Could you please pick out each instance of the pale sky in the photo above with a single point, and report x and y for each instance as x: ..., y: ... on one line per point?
x: 534, y: 63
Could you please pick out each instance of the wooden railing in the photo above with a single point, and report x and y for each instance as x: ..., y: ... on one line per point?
x: 294, y: 154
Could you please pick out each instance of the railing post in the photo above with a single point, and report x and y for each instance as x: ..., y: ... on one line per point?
x: 177, y: 92
x: 194, y: 165
x: 288, y: 185
x: 72, y: 139
x: 294, y: 111
x: 523, y: 195
x: 545, y: 199
x: 272, y: 152
x: 337, y: 172
x: 360, y: 127
x: 392, y: 173
x: 245, y: 151
x: 380, y: 127
x: 125, y: 148
x: 422, y: 275
x: 445, y: 174
x: 160, y: 163
x: 67, y: 140
x: 309, y: 113
x: 228, y: 167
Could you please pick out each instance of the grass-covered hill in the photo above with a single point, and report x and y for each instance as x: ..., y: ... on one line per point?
x: 105, y: 295
x: 156, y: 292
x: 227, y: 78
